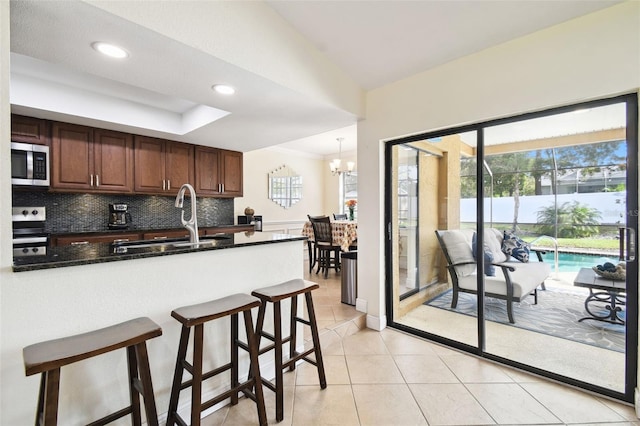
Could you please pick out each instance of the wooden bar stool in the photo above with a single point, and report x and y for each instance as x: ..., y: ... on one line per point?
x: 196, y: 316
x: 47, y: 358
x: 275, y: 294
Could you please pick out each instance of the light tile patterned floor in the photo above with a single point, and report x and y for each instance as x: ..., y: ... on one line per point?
x: 390, y: 378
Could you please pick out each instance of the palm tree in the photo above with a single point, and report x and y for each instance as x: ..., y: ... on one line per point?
x: 574, y: 220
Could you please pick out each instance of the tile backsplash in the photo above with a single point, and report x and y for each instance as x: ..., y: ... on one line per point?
x: 90, y: 212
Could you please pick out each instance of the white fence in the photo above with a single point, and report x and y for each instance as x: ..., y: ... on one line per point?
x: 610, y: 205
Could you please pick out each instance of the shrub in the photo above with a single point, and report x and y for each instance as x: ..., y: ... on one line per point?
x: 575, y: 220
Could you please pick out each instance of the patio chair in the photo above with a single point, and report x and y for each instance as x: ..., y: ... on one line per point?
x: 513, y: 280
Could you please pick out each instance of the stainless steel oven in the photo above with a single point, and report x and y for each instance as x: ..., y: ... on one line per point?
x: 29, y: 164
x: 29, y: 236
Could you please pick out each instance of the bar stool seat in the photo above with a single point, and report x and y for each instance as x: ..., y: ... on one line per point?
x: 196, y: 316
x: 48, y: 357
x: 276, y: 294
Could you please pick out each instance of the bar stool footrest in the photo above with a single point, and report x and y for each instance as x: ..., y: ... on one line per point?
x: 227, y: 394
x: 268, y: 384
x: 112, y: 417
x: 298, y: 356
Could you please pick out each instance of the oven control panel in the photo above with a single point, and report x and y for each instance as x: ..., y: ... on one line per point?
x: 29, y: 236
x: 29, y: 214
x: 30, y: 251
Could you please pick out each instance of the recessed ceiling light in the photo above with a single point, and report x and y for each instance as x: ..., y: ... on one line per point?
x: 110, y: 50
x: 224, y: 89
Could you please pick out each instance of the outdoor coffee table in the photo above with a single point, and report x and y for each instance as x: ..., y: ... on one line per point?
x: 603, y: 292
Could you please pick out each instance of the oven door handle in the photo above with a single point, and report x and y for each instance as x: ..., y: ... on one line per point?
x: 29, y: 240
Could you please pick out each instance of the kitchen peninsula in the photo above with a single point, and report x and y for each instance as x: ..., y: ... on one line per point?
x: 63, y: 301
x: 84, y: 254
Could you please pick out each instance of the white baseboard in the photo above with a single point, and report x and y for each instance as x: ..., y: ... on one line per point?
x: 361, y: 305
x: 376, y: 323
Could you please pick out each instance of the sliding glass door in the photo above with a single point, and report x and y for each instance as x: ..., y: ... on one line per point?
x: 424, y: 186
x: 515, y: 239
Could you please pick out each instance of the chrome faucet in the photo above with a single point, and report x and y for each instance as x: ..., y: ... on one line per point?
x: 191, y: 224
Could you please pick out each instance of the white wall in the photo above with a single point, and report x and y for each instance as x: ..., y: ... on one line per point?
x: 594, y: 56
x: 257, y: 165
x: 320, y: 189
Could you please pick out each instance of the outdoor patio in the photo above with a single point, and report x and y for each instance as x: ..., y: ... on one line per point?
x: 538, y: 339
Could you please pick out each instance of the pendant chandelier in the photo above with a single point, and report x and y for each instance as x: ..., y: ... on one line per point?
x: 336, y: 163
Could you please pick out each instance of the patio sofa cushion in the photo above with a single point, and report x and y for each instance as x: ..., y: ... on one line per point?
x: 525, y: 278
x: 493, y: 239
x: 459, y: 247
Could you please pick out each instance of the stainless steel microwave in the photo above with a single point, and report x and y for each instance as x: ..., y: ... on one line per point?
x: 29, y: 164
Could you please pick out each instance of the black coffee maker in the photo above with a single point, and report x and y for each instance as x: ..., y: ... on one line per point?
x: 119, y: 217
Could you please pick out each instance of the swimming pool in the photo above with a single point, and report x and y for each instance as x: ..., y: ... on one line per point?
x: 572, y: 262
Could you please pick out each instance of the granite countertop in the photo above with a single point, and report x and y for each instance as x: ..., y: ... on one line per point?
x: 85, y: 254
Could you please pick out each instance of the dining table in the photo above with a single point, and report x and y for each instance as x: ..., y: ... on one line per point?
x: 343, y: 232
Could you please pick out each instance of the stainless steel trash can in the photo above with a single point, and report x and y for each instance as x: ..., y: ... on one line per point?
x: 348, y: 266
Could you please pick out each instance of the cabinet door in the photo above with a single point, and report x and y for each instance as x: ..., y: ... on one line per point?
x: 207, y: 171
x: 179, y: 166
x: 149, y: 165
x: 29, y: 130
x: 95, y: 238
x: 232, y: 173
x: 163, y: 234
x: 71, y: 157
x: 113, y: 161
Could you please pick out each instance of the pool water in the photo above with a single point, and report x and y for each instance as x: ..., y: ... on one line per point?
x: 572, y: 262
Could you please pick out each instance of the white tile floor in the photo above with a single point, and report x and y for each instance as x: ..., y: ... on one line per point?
x: 390, y: 378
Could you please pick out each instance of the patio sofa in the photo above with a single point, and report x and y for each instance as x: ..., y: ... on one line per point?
x: 513, y: 280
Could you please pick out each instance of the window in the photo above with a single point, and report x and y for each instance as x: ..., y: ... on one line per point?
x: 349, y: 190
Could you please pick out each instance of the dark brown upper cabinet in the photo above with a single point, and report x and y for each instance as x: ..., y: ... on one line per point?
x: 29, y: 130
x: 161, y: 166
x: 92, y: 160
x: 218, y: 172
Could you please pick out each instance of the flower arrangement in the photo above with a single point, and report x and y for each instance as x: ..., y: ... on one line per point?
x: 351, y: 204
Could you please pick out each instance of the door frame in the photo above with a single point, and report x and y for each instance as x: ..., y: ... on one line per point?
x: 631, y: 350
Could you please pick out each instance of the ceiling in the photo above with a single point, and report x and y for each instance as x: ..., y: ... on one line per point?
x: 163, y: 89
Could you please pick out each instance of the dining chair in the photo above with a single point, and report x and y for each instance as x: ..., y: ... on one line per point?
x: 339, y: 216
x: 311, y: 247
x: 324, y: 245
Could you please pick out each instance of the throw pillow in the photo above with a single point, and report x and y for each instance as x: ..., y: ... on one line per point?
x: 489, y: 268
x: 515, y: 247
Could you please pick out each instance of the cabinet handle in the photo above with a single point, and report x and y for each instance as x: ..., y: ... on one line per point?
x: 121, y: 240
x: 91, y: 181
x: 164, y: 183
x: 160, y: 238
x: 97, y: 180
x: 222, y: 184
x: 168, y: 185
x: 79, y: 243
